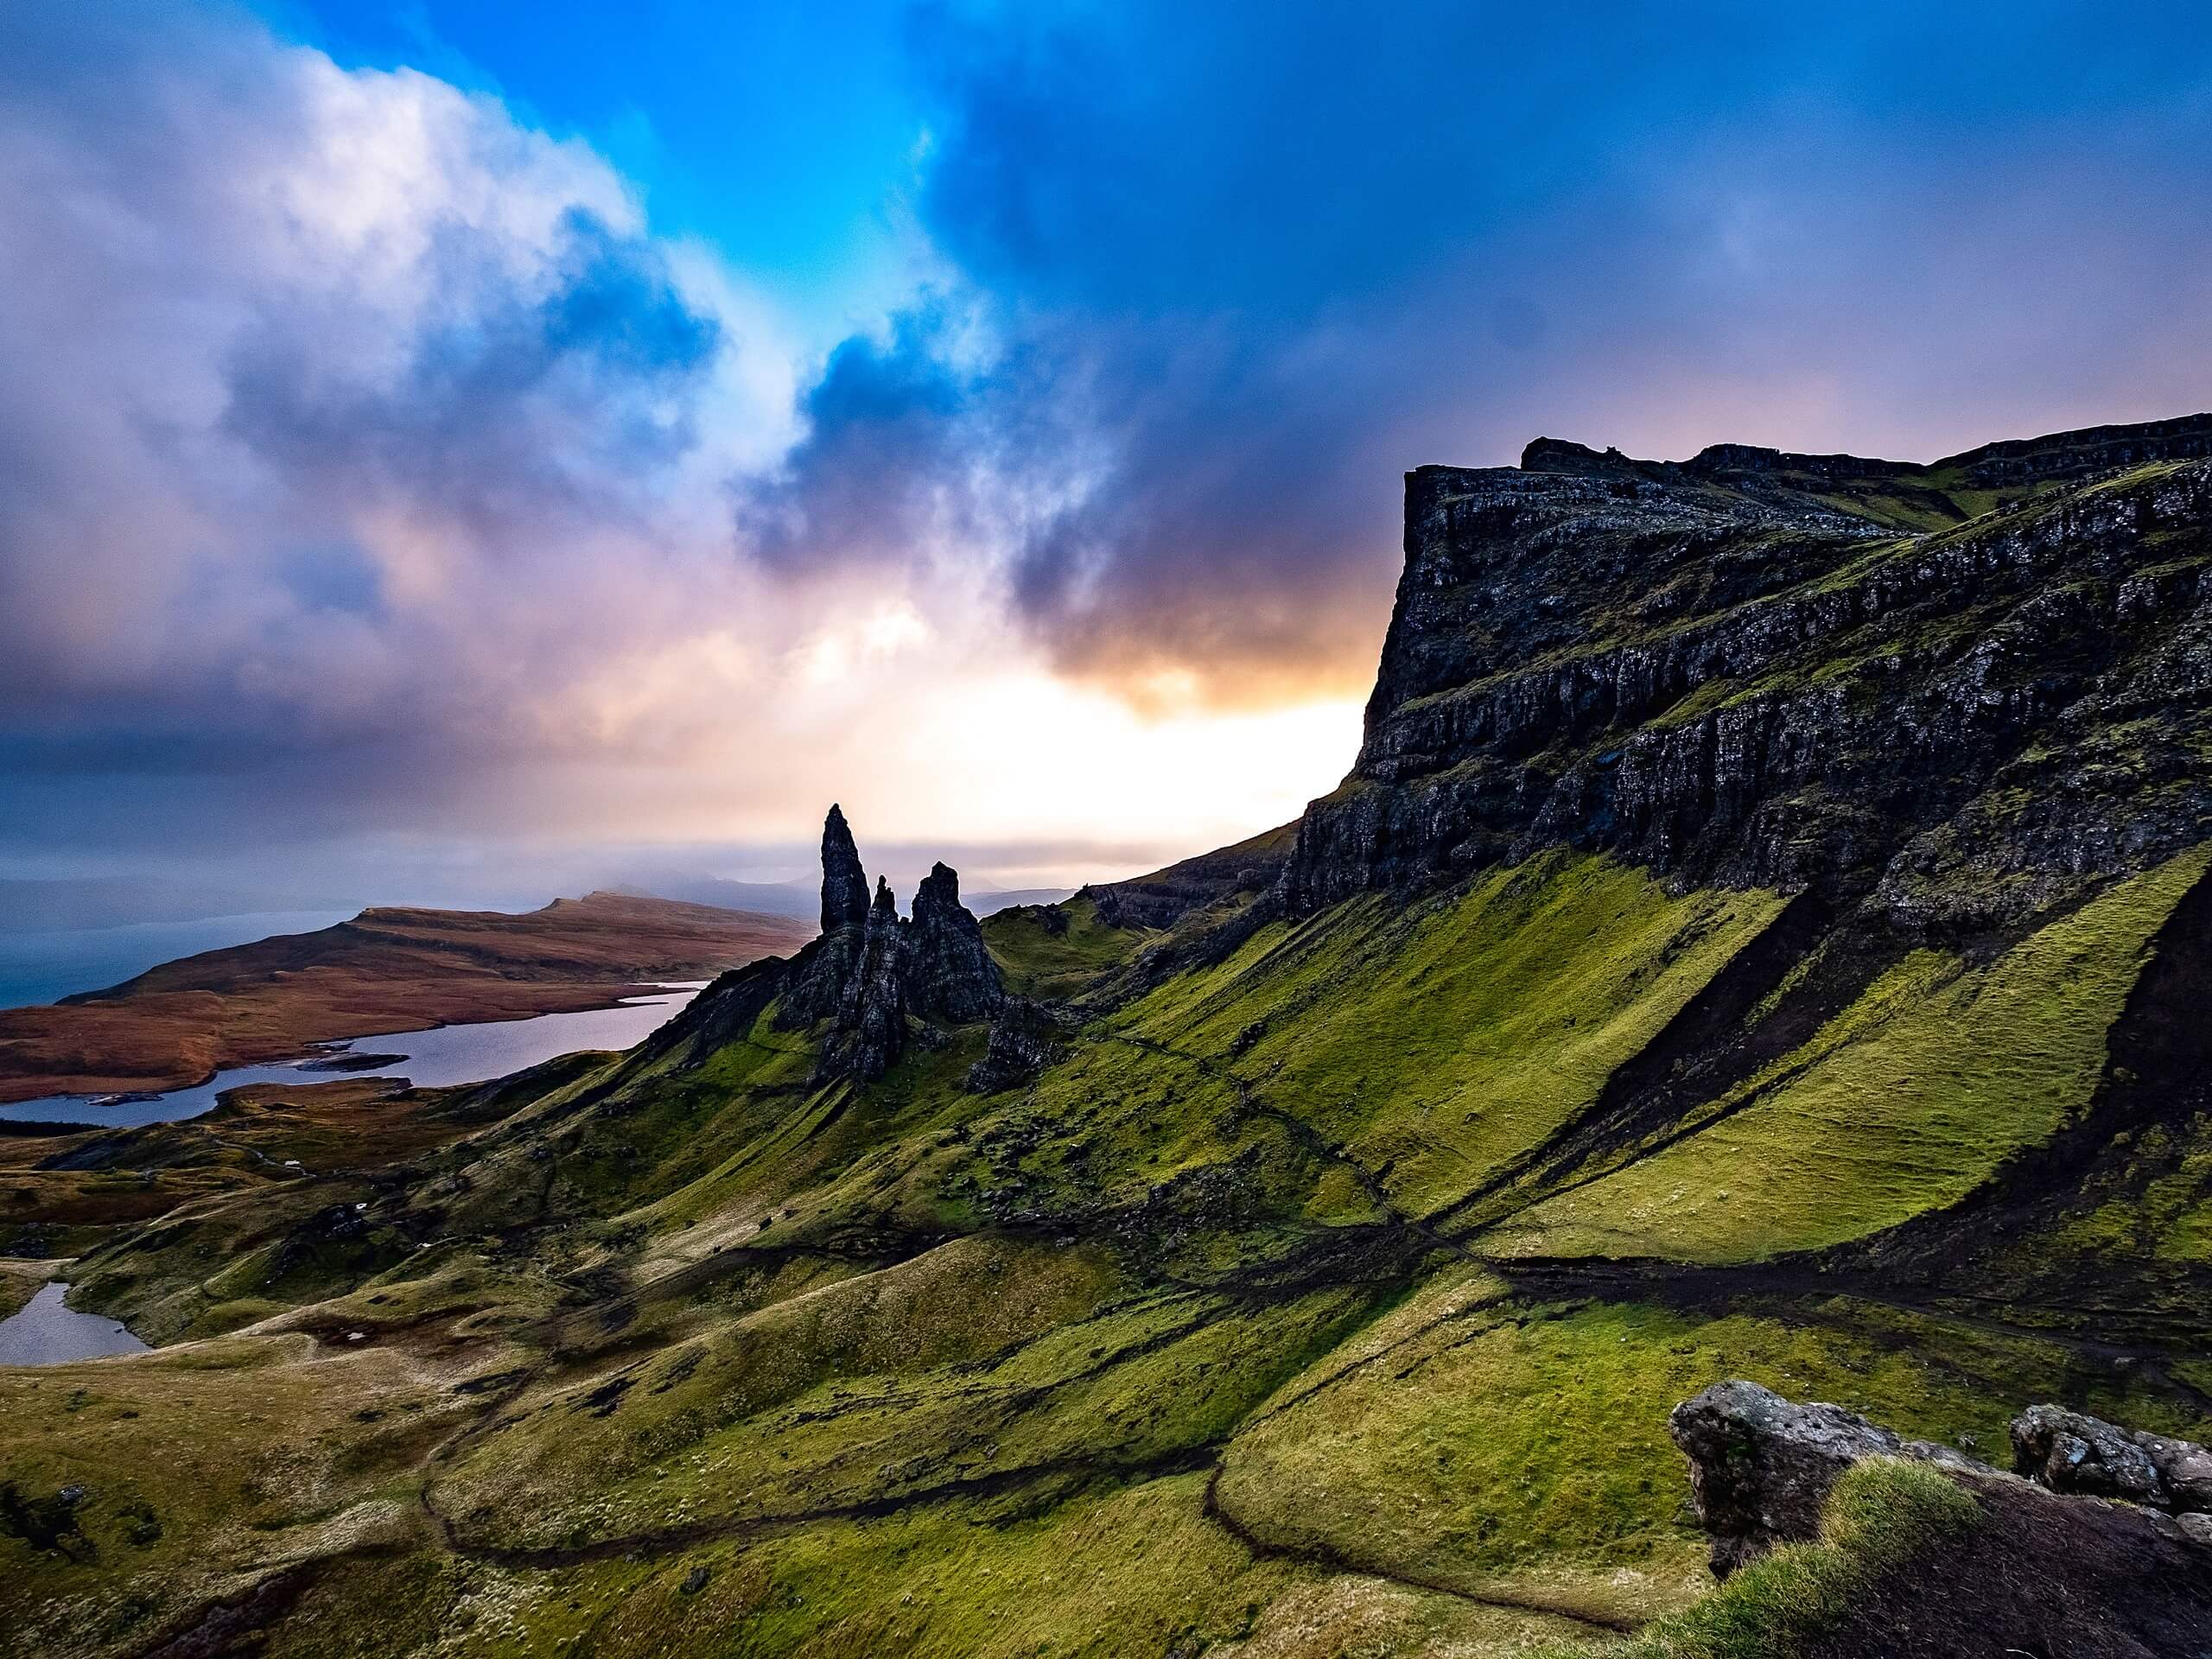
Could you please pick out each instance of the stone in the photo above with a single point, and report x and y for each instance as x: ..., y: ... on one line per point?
x: 844, y: 883
x: 1025, y: 1039
x: 875, y: 982
x: 951, y: 973
x: 2072, y: 1452
x: 1762, y: 1466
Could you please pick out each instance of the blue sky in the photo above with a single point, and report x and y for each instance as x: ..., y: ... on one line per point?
x: 458, y: 444
x: 778, y: 133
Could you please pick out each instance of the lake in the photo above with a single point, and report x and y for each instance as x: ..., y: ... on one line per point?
x: 430, y: 1059
x: 47, y: 1331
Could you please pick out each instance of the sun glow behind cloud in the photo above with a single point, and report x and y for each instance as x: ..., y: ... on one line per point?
x: 380, y: 464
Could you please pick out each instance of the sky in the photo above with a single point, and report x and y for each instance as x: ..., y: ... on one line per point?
x: 464, y: 451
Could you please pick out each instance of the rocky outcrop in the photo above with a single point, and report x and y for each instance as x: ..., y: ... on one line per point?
x: 952, y: 976
x: 1165, y: 896
x: 1025, y: 1039
x: 874, y: 981
x: 1762, y: 1466
x: 2072, y: 1452
x: 844, y: 883
x: 1974, y: 690
x: 2019, y: 1570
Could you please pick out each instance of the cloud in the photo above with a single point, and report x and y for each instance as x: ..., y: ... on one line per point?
x: 371, y: 465
x: 328, y: 397
x: 1258, y: 268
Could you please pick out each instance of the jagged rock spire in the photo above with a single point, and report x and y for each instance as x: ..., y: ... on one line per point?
x: 952, y: 975
x: 844, y: 883
x: 940, y: 889
x: 872, y: 974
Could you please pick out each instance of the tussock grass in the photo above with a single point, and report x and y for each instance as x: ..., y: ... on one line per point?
x: 1905, y: 1102
x: 1885, y: 1516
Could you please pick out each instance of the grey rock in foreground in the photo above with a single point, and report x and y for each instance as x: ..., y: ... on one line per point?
x: 1762, y: 1466
x: 2071, y: 1452
x: 2039, y: 1574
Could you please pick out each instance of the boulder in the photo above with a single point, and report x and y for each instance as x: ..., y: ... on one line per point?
x: 1762, y: 1466
x: 2072, y: 1451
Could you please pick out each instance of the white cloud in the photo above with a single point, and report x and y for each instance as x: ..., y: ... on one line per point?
x: 358, y: 440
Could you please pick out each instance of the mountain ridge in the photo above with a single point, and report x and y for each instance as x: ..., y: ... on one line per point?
x: 1697, y: 667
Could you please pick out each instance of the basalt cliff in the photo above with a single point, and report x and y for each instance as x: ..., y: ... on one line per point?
x: 1962, y: 694
x: 1761, y: 953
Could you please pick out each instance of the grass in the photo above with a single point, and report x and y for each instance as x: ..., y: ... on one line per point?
x: 19, y: 1282
x: 1441, y: 1040
x: 1905, y: 1102
x: 1474, y: 1441
x: 1884, y: 1516
x: 1039, y: 961
x: 905, y: 1369
x: 196, y: 1464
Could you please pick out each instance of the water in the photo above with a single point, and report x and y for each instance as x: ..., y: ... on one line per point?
x: 46, y: 965
x: 47, y: 1331
x: 429, y: 1059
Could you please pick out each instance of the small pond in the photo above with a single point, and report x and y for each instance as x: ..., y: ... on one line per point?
x: 47, y: 1331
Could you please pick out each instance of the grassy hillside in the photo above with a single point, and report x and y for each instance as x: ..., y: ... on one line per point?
x: 1189, y: 1343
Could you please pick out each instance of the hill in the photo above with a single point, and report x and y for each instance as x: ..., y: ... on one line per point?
x: 387, y: 969
x: 1764, y: 934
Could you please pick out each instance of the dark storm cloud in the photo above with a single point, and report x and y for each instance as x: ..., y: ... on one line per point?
x: 892, y: 428
x: 1286, y: 253
x: 368, y: 464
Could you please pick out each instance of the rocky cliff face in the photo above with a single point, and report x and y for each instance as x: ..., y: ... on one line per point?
x: 1967, y: 691
x: 844, y: 883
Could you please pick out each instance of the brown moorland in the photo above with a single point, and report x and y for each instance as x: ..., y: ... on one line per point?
x: 386, y: 970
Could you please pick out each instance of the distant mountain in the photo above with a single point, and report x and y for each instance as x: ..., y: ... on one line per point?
x: 990, y: 901
x: 387, y: 969
x: 804, y: 898
x: 796, y: 899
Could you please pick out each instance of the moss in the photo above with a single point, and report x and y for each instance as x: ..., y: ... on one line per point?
x: 1054, y: 951
x: 1440, y: 1041
x: 1481, y: 1445
x: 1905, y: 1102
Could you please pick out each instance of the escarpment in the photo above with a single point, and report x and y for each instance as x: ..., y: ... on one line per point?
x: 1971, y: 690
x: 1766, y: 935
